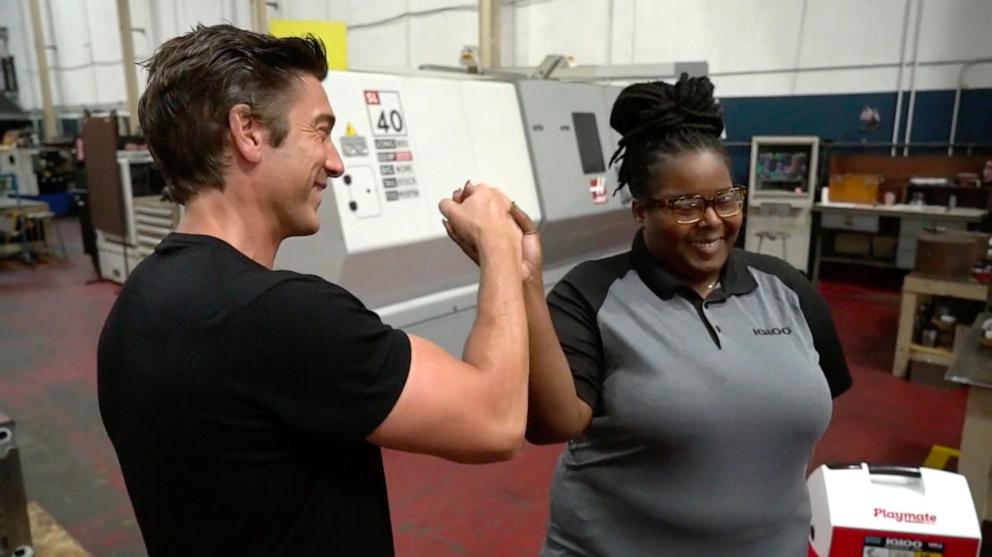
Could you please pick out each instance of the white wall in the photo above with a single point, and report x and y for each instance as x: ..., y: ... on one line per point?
x: 752, y: 46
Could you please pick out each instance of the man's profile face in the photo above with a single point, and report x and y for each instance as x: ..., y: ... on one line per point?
x: 296, y: 173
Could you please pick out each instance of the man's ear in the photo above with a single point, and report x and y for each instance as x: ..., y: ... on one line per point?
x: 247, y: 134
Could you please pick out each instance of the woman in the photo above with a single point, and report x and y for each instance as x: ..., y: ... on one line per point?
x: 690, y: 379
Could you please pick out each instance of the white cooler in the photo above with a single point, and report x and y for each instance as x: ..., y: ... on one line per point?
x: 864, y: 510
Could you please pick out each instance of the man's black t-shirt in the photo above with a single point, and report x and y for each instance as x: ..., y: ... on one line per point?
x: 239, y: 399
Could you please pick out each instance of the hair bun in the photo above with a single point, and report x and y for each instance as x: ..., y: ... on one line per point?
x: 661, y: 108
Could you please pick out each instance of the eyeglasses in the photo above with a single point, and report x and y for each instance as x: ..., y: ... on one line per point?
x: 689, y: 209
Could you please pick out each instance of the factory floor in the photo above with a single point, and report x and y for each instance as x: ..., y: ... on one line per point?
x: 50, y: 319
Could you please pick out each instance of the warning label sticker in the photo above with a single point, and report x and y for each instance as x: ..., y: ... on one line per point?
x: 597, y: 187
x: 392, y: 146
x: 878, y: 546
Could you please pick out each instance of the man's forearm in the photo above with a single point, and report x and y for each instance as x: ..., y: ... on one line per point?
x: 497, y: 343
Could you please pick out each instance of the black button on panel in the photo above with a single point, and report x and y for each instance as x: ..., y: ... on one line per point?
x: 353, y: 206
x: 347, y: 179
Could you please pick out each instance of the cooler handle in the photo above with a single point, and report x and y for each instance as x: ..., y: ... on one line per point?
x: 905, y: 471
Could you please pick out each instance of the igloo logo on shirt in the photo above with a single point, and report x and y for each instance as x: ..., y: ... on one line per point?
x: 775, y: 331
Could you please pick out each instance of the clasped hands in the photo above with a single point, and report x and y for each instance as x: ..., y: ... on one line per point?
x: 479, y: 215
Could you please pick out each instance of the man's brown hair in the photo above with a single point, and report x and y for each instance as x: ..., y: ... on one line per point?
x: 195, y: 79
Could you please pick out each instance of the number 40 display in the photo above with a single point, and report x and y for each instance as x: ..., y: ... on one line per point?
x: 385, y: 113
x: 393, y: 125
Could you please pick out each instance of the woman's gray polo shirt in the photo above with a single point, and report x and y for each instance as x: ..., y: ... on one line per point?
x: 705, y: 413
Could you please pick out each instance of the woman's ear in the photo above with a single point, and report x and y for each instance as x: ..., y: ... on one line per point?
x: 637, y: 209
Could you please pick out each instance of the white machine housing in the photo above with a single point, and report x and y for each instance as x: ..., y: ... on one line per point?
x: 408, y: 141
x: 878, y: 511
x: 147, y: 220
x: 779, y: 221
x: 20, y: 162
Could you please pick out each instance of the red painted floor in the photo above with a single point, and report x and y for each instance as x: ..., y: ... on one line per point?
x: 50, y: 318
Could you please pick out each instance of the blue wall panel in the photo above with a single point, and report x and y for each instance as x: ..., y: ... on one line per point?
x: 835, y: 118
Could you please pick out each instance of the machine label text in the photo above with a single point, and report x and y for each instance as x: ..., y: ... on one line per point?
x: 385, y: 113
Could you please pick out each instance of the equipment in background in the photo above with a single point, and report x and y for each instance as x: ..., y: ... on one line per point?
x: 20, y: 162
x: 864, y: 510
x: 568, y: 131
x: 858, y: 188
x: 951, y: 254
x: 147, y: 218
x: 407, y: 141
x: 124, y: 191
x: 781, y: 190
x: 15, y: 530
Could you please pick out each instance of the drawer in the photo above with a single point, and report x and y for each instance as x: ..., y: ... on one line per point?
x: 911, y: 228
x: 155, y: 211
x: 850, y: 221
x: 154, y: 231
x: 152, y: 220
x: 148, y: 242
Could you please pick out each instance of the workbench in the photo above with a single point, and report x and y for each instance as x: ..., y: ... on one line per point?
x: 915, y: 285
x: 12, y: 210
x: 868, y: 219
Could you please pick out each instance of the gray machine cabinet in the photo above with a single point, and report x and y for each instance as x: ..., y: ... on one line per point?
x: 556, y: 140
x: 570, y: 141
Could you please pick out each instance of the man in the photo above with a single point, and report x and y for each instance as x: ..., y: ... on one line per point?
x: 247, y: 406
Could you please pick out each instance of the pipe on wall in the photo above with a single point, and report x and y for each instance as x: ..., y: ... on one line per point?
x: 902, y: 61
x: 957, y: 101
x: 912, y: 78
x: 259, y: 16
x: 130, y: 69
x: 47, y: 107
x: 490, y: 44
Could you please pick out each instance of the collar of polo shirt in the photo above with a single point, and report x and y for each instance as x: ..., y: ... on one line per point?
x: 735, y: 279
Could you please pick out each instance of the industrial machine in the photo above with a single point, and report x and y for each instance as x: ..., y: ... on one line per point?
x: 781, y: 192
x: 567, y: 127
x: 20, y: 162
x: 885, y: 511
x: 407, y: 141
x: 15, y: 529
x: 143, y: 218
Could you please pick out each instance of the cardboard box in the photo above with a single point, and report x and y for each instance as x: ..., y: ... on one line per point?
x: 950, y: 254
x: 850, y: 243
x: 855, y: 188
x: 929, y: 374
x: 884, y: 247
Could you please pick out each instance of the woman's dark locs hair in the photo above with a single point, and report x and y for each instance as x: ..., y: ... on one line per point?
x: 193, y: 82
x: 659, y: 121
